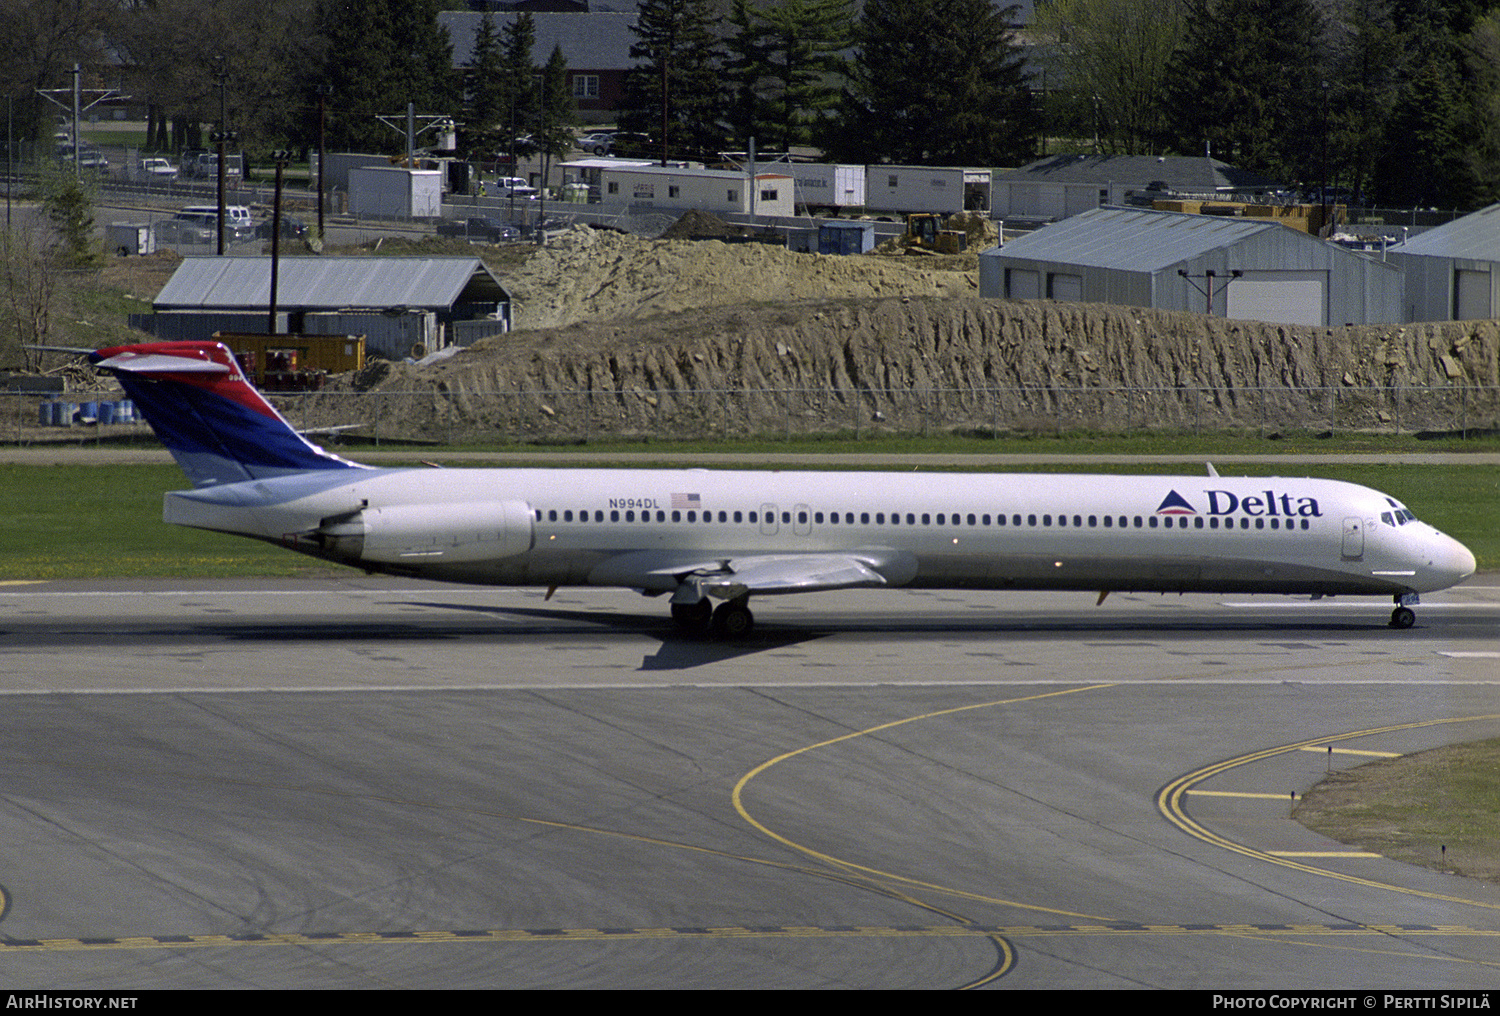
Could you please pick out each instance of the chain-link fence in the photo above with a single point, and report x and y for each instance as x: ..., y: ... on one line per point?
x: 568, y: 417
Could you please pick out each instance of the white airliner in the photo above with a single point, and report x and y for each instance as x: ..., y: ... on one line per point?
x: 704, y: 535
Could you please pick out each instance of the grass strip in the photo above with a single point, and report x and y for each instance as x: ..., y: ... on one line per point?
x: 1413, y: 807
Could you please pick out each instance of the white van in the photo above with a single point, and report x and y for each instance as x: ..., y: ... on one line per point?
x: 236, y: 219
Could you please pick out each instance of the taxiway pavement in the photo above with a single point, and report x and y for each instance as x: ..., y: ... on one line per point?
x: 373, y: 782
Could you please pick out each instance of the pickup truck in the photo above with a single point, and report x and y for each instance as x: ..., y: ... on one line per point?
x: 480, y: 229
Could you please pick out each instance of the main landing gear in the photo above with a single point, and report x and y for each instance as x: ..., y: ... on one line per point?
x: 730, y: 620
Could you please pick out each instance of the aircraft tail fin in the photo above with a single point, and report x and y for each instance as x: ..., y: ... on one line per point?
x: 208, y: 414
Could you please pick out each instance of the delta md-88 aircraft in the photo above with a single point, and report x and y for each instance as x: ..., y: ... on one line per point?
x: 705, y: 535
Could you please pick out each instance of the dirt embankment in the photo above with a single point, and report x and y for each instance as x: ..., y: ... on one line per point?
x: 593, y: 275
x: 869, y: 339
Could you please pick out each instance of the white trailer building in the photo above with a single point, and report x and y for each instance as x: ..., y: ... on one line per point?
x: 394, y: 192
x: 711, y: 190
x: 945, y: 189
x: 826, y: 186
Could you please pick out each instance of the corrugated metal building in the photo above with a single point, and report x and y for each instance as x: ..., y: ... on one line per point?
x: 397, y: 303
x: 1064, y: 185
x: 1453, y: 271
x: 1261, y: 270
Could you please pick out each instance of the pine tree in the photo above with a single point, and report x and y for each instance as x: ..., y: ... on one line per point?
x: 1248, y: 82
x: 673, y: 92
x: 379, y: 55
x: 552, y: 126
x: 518, y: 91
x: 483, y: 78
x: 921, y: 92
x: 780, y: 67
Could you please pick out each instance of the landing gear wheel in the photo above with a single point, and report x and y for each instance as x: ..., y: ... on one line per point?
x: 1403, y: 617
x: 733, y: 620
x: 693, y: 617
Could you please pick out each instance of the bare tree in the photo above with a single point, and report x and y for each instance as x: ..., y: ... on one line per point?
x: 1111, y: 56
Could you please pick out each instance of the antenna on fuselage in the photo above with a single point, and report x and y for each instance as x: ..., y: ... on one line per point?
x: 1211, y: 470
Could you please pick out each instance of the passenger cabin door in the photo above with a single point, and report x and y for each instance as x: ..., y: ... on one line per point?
x: 802, y: 520
x: 768, y: 522
x: 1354, y: 539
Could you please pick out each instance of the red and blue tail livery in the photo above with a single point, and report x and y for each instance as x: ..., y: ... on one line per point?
x: 213, y: 421
x: 727, y: 535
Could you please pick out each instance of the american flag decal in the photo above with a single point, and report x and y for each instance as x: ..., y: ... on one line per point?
x: 686, y: 501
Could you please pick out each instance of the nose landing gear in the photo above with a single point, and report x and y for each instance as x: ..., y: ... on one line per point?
x: 1403, y: 616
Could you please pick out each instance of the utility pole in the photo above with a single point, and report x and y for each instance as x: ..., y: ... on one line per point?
x: 324, y: 91
x: 281, y: 158
x: 222, y: 137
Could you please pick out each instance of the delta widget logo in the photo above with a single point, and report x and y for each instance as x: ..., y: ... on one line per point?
x: 1268, y: 503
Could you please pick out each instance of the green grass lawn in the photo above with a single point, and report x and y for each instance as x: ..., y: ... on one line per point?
x: 1438, y: 809
x: 105, y: 521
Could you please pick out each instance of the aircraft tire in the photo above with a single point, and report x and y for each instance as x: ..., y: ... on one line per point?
x: 693, y: 617
x: 1403, y: 617
x: 733, y: 620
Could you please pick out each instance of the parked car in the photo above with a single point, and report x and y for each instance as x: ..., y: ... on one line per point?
x: 241, y: 226
x: 200, y: 224
x: 158, y: 170
x: 634, y: 146
x: 506, y: 186
x: 479, y: 229
x: 205, y: 166
x: 597, y: 143
x: 89, y: 157
x: 292, y: 228
x: 186, y: 229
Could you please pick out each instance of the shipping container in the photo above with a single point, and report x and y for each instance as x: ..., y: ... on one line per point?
x: 394, y: 192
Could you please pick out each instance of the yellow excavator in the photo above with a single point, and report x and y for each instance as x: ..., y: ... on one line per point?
x: 925, y: 235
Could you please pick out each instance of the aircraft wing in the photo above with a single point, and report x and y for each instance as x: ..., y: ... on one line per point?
x: 782, y: 573
x: 730, y: 576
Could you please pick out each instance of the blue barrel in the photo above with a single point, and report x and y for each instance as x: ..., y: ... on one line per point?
x: 126, y: 413
x: 106, y: 412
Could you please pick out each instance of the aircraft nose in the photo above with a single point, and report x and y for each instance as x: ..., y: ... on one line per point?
x: 1452, y: 561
